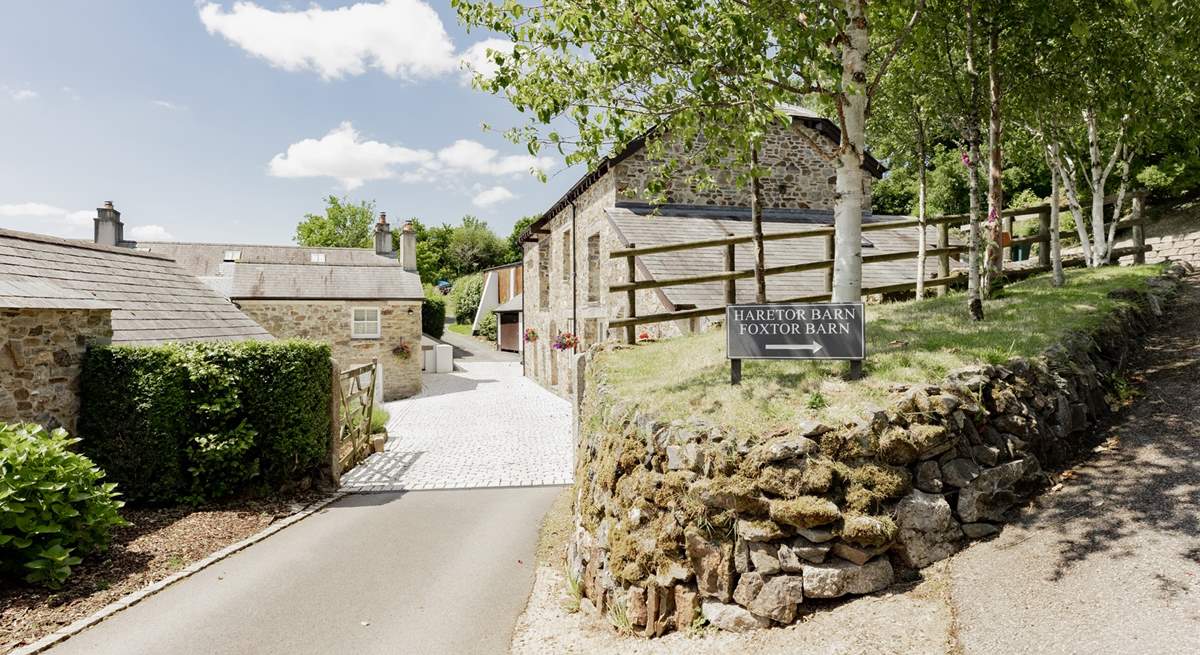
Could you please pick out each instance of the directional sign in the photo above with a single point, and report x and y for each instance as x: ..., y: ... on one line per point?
x: 795, y: 331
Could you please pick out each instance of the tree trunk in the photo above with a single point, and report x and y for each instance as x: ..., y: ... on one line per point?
x: 995, y: 253
x: 921, y: 202
x: 850, y: 194
x: 1126, y: 158
x: 1055, y: 244
x: 760, y: 258
x: 1099, y: 245
x: 1067, y: 177
x: 971, y: 131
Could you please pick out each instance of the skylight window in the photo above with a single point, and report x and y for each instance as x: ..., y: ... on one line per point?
x: 317, y: 257
x: 232, y: 255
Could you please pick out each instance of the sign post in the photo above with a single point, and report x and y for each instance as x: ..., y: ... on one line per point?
x: 795, y: 331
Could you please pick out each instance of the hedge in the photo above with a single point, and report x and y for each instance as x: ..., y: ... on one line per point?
x: 465, y: 296
x: 433, y: 314
x: 194, y: 422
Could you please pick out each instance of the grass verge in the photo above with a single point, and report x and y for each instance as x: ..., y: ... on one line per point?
x: 907, y: 342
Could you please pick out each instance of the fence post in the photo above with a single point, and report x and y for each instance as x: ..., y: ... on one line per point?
x: 335, y: 423
x: 1139, y: 233
x: 829, y: 253
x: 730, y: 285
x: 944, y: 258
x: 580, y: 373
x: 1006, y: 226
x: 1044, y: 235
x: 631, y: 296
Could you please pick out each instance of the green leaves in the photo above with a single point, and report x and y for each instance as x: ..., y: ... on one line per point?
x: 193, y: 422
x: 53, y: 505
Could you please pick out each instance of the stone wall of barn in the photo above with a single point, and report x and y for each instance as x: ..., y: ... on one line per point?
x: 679, y: 519
x: 41, y: 355
x: 800, y: 176
x: 329, y: 321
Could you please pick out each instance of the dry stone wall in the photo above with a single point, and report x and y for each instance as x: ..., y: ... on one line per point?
x: 41, y: 355
x: 681, y: 519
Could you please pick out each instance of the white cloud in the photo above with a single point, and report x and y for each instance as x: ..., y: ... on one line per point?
x: 150, y: 233
x: 402, y: 38
x: 20, y: 95
x: 47, y: 219
x: 489, y: 197
x: 475, y: 157
x: 167, y: 104
x: 475, y: 59
x: 344, y: 156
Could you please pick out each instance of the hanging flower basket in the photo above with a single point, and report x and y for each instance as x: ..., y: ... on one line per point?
x: 402, y: 351
x: 565, y: 341
x: 531, y: 335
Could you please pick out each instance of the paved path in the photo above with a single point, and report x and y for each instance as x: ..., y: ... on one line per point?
x: 482, y: 426
x: 472, y: 349
x: 1111, y: 562
x: 431, y: 572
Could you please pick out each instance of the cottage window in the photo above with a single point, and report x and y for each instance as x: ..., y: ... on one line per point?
x: 566, y: 256
x: 317, y: 257
x: 544, y: 274
x: 365, y: 323
x: 593, y: 264
x: 232, y: 255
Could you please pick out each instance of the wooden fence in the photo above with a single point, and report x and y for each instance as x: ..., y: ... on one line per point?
x: 352, y: 403
x: 943, y: 250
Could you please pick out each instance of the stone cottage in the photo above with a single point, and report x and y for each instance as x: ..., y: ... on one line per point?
x: 567, y: 270
x: 365, y: 303
x: 57, y: 297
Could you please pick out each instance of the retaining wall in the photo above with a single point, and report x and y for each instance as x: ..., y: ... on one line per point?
x: 674, y: 520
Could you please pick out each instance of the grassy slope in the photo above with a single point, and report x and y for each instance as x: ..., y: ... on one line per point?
x: 457, y: 328
x: 906, y: 342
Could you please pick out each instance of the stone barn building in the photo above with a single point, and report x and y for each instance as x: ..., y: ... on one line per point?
x: 365, y: 303
x: 567, y: 269
x: 57, y: 297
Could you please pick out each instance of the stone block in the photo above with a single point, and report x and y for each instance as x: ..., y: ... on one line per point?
x: 837, y: 578
x: 731, y: 617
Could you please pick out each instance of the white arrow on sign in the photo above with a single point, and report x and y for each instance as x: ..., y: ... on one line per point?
x: 811, y: 347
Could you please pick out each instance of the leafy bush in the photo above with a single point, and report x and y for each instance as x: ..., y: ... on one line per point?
x: 465, y: 297
x: 193, y: 422
x: 379, y: 420
x: 433, y: 313
x: 54, y: 508
x: 487, y: 326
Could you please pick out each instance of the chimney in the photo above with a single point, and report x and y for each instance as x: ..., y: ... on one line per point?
x: 109, y: 229
x: 383, y: 236
x: 408, y: 247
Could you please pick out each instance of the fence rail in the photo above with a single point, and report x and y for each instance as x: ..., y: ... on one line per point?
x: 943, y: 250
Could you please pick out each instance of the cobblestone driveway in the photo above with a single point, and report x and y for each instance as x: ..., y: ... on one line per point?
x: 485, y: 425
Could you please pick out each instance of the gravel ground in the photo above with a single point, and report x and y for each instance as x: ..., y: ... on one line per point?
x: 157, y: 543
x: 910, y: 621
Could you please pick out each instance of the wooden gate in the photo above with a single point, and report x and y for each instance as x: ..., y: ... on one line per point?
x: 354, y: 400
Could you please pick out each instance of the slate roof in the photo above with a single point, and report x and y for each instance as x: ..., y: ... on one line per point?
x: 513, y: 304
x: 635, y: 223
x: 316, y: 282
x: 205, y: 259
x: 32, y: 293
x: 288, y: 272
x: 800, y: 115
x: 153, y: 300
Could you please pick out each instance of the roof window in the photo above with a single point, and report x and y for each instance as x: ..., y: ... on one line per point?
x: 316, y: 257
x: 232, y: 255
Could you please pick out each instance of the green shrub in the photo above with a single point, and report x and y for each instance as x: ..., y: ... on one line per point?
x: 379, y: 420
x: 193, y: 422
x: 54, y: 508
x: 433, y: 313
x: 487, y: 326
x: 465, y: 296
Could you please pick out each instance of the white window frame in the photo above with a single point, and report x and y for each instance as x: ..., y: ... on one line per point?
x: 231, y: 255
x: 316, y: 258
x: 355, y: 323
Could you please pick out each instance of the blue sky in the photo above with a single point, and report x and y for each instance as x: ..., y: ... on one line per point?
x: 227, y: 121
